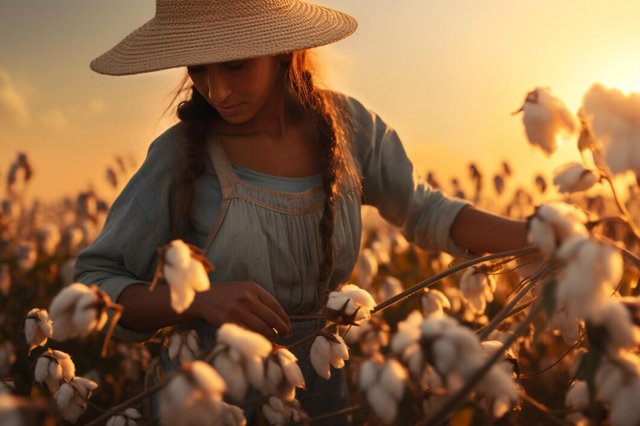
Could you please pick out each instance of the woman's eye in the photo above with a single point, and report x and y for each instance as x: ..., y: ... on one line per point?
x: 235, y: 65
x: 194, y: 69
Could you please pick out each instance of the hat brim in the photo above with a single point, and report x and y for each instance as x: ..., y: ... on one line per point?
x: 159, y: 45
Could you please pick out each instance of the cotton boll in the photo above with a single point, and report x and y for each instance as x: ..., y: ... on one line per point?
x: 577, y: 398
x: 382, y: 404
x: 434, y: 301
x: 37, y: 327
x: 368, y: 374
x: 52, y: 367
x: 621, y: 332
x: 233, y: 374
x: 184, y: 273
x: 89, y: 314
x: 554, y: 223
x: 613, y: 118
x: 408, y: 331
x: 574, y: 177
x: 393, y: 378
x: 320, y: 354
x: 545, y: 118
x: 232, y: 416
x: 352, y: 301
x: 247, y: 342
x: 366, y: 267
x: 390, y: 287
x: 624, y: 409
x: 72, y: 398
x: 476, y: 289
x: 445, y: 355
x: 63, y: 309
x: 194, y: 397
x: 129, y: 417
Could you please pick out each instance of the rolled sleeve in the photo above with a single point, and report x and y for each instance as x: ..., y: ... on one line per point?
x: 390, y: 183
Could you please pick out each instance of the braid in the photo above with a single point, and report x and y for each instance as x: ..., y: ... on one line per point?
x: 196, y: 113
x: 337, y: 171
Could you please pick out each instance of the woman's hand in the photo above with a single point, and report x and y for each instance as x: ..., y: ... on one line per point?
x: 245, y: 303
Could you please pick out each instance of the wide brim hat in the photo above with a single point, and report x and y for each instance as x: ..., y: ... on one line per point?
x: 194, y: 32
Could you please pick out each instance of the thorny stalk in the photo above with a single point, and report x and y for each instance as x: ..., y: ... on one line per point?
x: 426, y: 283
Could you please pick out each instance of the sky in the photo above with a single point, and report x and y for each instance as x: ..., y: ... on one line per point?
x: 445, y: 74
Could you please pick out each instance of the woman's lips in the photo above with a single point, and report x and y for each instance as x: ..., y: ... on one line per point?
x: 228, y: 109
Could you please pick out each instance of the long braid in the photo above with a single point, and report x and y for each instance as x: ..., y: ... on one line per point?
x: 196, y: 113
x: 338, y: 172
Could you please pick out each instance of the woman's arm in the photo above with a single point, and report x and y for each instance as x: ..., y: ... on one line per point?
x: 481, y: 232
x: 244, y: 302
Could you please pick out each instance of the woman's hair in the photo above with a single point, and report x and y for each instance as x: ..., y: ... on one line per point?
x: 339, y: 175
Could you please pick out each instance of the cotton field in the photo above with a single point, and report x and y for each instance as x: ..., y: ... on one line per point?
x: 548, y: 334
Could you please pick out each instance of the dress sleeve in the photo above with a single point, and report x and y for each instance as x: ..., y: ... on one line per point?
x: 390, y: 183
x: 137, y: 224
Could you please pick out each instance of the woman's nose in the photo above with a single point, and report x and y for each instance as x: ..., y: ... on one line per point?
x: 219, y: 87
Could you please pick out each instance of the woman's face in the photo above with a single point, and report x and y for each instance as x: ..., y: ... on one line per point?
x: 239, y: 90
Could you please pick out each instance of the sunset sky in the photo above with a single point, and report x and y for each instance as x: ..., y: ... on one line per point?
x: 445, y: 74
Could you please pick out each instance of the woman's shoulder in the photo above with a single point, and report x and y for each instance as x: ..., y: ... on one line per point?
x: 169, y: 147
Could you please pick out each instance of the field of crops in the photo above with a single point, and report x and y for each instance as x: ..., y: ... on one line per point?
x: 549, y: 334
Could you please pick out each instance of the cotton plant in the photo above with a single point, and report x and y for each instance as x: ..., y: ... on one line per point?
x: 183, y: 345
x: 328, y: 350
x: 545, y: 119
x: 193, y: 397
x: 439, y: 344
x: 239, y: 357
x: 38, y: 328
x: 53, y: 368
x: 71, y: 398
x: 280, y: 412
x: 575, y: 177
x: 553, y: 223
x: 127, y: 417
x: 184, y: 267
x: 383, y: 382
x: 350, y: 304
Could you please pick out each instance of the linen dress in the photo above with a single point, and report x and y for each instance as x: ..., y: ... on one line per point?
x: 269, y: 236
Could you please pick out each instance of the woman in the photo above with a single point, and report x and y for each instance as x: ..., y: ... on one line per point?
x: 266, y: 173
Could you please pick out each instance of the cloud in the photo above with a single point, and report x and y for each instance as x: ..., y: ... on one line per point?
x: 55, y: 119
x: 13, y: 107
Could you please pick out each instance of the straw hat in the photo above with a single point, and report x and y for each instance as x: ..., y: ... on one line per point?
x: 192, y: 32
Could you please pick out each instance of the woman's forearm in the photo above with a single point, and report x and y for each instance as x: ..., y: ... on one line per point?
x: 146, y: 310
x: 482, y: 232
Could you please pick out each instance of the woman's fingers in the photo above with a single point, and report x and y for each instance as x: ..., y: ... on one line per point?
x: 256, y: 323
x: 270, y: 317
x: 273, y: 304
